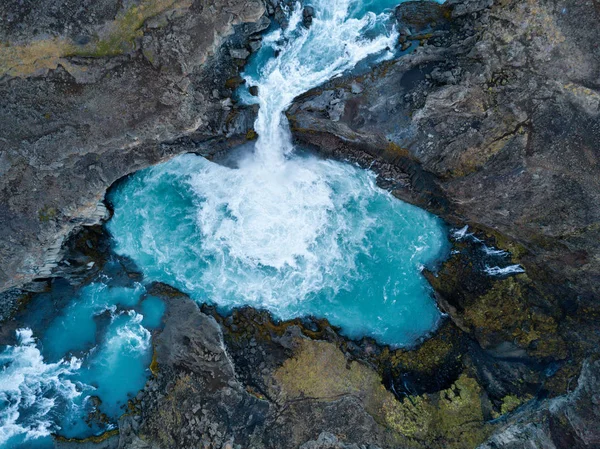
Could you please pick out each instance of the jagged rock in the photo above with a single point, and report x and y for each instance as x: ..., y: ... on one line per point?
x: 307, y: 16
x: 568, y: 421
x: 92, y: 110
x: 239, y: 53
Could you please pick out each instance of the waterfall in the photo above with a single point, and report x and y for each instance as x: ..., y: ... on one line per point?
x: 307, y: 57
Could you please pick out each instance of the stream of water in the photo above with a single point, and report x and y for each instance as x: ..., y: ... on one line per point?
x: 276, y: 228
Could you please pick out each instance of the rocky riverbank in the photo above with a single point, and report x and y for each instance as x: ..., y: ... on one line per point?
x: 490, y: 120
x: 93, y: 93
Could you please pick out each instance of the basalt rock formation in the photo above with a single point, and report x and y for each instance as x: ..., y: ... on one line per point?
x: 491, y: 118
x: 93, y: 92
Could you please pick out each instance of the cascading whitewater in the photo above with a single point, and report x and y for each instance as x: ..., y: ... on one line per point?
x: 31, y: 389
x: 334, y: 43
x: 279, y: 206
x: 291, y: 233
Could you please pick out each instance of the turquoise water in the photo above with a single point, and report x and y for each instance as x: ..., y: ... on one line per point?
x: 322, y: 239
x: 290, y: 233
x: 97, y: 346
x: 276, y: 230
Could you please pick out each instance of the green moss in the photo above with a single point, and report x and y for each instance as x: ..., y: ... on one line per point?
x: 511, y: 402
x: 319, y: 370
x: 154, y: 364
x: 429, y: 356
x: 501, y: 241
x: 451, y: 418
x: 47, y: 213
x: 122, y: 32
x: 117, y: 37
x: 251, y: 135
x: 504, y: 310
x: 95, y: 439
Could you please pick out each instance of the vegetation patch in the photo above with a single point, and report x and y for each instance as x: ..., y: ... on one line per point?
x: 116, y: 37
x: 451, y: 418
x: 47, y: 213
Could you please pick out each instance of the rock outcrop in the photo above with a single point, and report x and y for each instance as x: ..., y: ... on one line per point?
x: 244, y: 381
x: 94, y: 91
x: 500, y: 101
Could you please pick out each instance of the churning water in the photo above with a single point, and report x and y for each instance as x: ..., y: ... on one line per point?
x: 89, y: 359
x: 280, y: 230
x: 287, y: 232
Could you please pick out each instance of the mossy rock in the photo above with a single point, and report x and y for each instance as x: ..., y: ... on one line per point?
x: 451, y: 418
x: 47, y: 214
x: 115, y: 38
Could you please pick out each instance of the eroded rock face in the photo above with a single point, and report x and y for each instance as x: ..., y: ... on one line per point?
x: 91, y: 93
x: 501, y: 103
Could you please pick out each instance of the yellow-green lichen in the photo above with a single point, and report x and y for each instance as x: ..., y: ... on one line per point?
x: 154, y: 364
x: 114, y: 38
x: 504, y: 309
x: 95, y: 439
x: 510, y: 403
x: 429, y: 356
x: 47, y: 213
x: 120, y: 34
x: 451, y: 418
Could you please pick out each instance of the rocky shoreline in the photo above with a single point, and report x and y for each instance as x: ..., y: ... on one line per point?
x: 245, y: 380
x: 493, y: 121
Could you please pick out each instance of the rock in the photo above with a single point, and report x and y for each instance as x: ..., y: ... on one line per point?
x: 73, y: 125
x: 415, y: 16
x: 255, y: 45
x: 356, y: 88
x: 569, y: 421
x: 253, y: 91
x: 239, y: 53
x: 307, y: 16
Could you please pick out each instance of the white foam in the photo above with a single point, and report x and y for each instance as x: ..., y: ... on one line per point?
x: 31, y: 389
x: 503, y: 271
x: 131, y: 338
x: 276, y: 212
x: 461, y: 233
x: 491, y: 251
x: 334, y: 43
x: 292, y: 221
